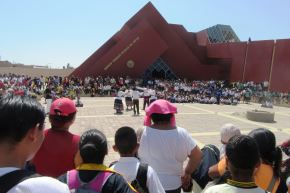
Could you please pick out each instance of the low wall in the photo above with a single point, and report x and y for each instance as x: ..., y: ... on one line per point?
x: 35, y: 72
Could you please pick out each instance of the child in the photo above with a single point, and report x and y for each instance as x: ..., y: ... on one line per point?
x: 21, y: 134
x: 91, y: 174
x: 128, y: 165
x: 267, y: 175
x: 56, y: 155
x: 242, y: 158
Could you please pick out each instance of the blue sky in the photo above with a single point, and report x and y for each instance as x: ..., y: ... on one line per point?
x: 57, y: 32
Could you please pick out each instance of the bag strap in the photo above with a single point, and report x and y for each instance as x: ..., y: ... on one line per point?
x: 96, y: 184
x: 13, y: 178
x: 95, y: 167
x: 142, y: 175
x: 271, y: 184
x: 113, y: 163
x: 73, y: 180
x: 99, y: 167
x: 100, y: 180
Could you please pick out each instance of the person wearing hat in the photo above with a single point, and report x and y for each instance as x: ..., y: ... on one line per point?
x: 56, y: 155
x: 227, y: 131
x: 165, y: 147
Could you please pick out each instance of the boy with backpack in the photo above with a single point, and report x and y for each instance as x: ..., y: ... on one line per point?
x: 21, y: 134
x: 57, y: 153
x: 91, y: 175
x: 141, y: 176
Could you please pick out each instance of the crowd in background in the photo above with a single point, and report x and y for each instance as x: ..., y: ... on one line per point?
x: 176, y: 91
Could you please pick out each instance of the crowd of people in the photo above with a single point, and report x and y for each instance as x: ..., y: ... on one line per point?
x: 152, y: 159
x: 130, y: 90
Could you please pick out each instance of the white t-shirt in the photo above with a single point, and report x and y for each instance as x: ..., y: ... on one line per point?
x: 135, y: 94
x: 226, y: 188
x: 128, y: 167
x: 165, y: 151
x: 37, y: 184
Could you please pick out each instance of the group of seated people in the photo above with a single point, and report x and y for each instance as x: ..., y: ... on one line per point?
x: 161, y: 157
x: 177, y: 90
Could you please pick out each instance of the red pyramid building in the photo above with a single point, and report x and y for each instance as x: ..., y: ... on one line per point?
x: 147, y: 46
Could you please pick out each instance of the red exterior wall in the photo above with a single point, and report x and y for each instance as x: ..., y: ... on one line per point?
x: 147, y: 36
x: 218, y: 50
x: 280, y: 80
x: 141, y: 52
x: 233, y: 52
x: 238, y: 53
x: 258, y: 60
x: 190, y: 39
x: 156, y: 38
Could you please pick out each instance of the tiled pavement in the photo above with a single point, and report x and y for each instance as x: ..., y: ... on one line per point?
x: 201, y: 120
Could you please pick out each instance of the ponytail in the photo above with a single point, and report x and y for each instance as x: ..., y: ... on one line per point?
x: 277, y: 161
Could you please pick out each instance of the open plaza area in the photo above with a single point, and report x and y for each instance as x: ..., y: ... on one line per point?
x: 202, y: 121
x: 145, y: 96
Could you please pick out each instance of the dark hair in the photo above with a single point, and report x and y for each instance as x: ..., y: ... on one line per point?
x: 58, y: 121
x: 161, y: 118
x: 269, y: 153
x: 243, y: 152
x: 125, y: 140
x: 93, y: 146
x: 18, y: 114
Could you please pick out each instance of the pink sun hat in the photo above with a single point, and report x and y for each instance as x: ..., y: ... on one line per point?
x: 160, y: 106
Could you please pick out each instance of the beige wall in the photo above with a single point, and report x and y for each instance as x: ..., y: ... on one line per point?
x: 35, y: 72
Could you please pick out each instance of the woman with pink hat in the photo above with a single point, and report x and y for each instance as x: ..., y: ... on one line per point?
x: 165, y: 147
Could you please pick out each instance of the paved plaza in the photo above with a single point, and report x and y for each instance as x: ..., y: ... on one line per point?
x: 201, y: 120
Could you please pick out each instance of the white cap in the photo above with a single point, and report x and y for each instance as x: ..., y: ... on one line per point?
x: 229, y: 130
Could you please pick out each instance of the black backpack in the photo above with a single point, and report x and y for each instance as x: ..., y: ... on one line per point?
x: 9, y: 180
x: 210, y: 157
x: 140, y: 183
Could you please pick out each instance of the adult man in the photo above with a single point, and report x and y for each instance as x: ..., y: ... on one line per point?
x: 146, y: 96
x: 21, y: 134
x: 135, y: 96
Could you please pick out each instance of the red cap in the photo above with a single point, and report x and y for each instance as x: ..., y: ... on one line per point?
x: 62, y: 107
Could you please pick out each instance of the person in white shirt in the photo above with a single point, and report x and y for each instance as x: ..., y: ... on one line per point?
x: 129, y: 165
x: 165, y: 147
x: 146, y: 96
x: 152, y: 96
x: 136, y: 95
x: 118, y: 103
x: 128, y: 99
x: 21, y: 134
x: 242, y: 159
